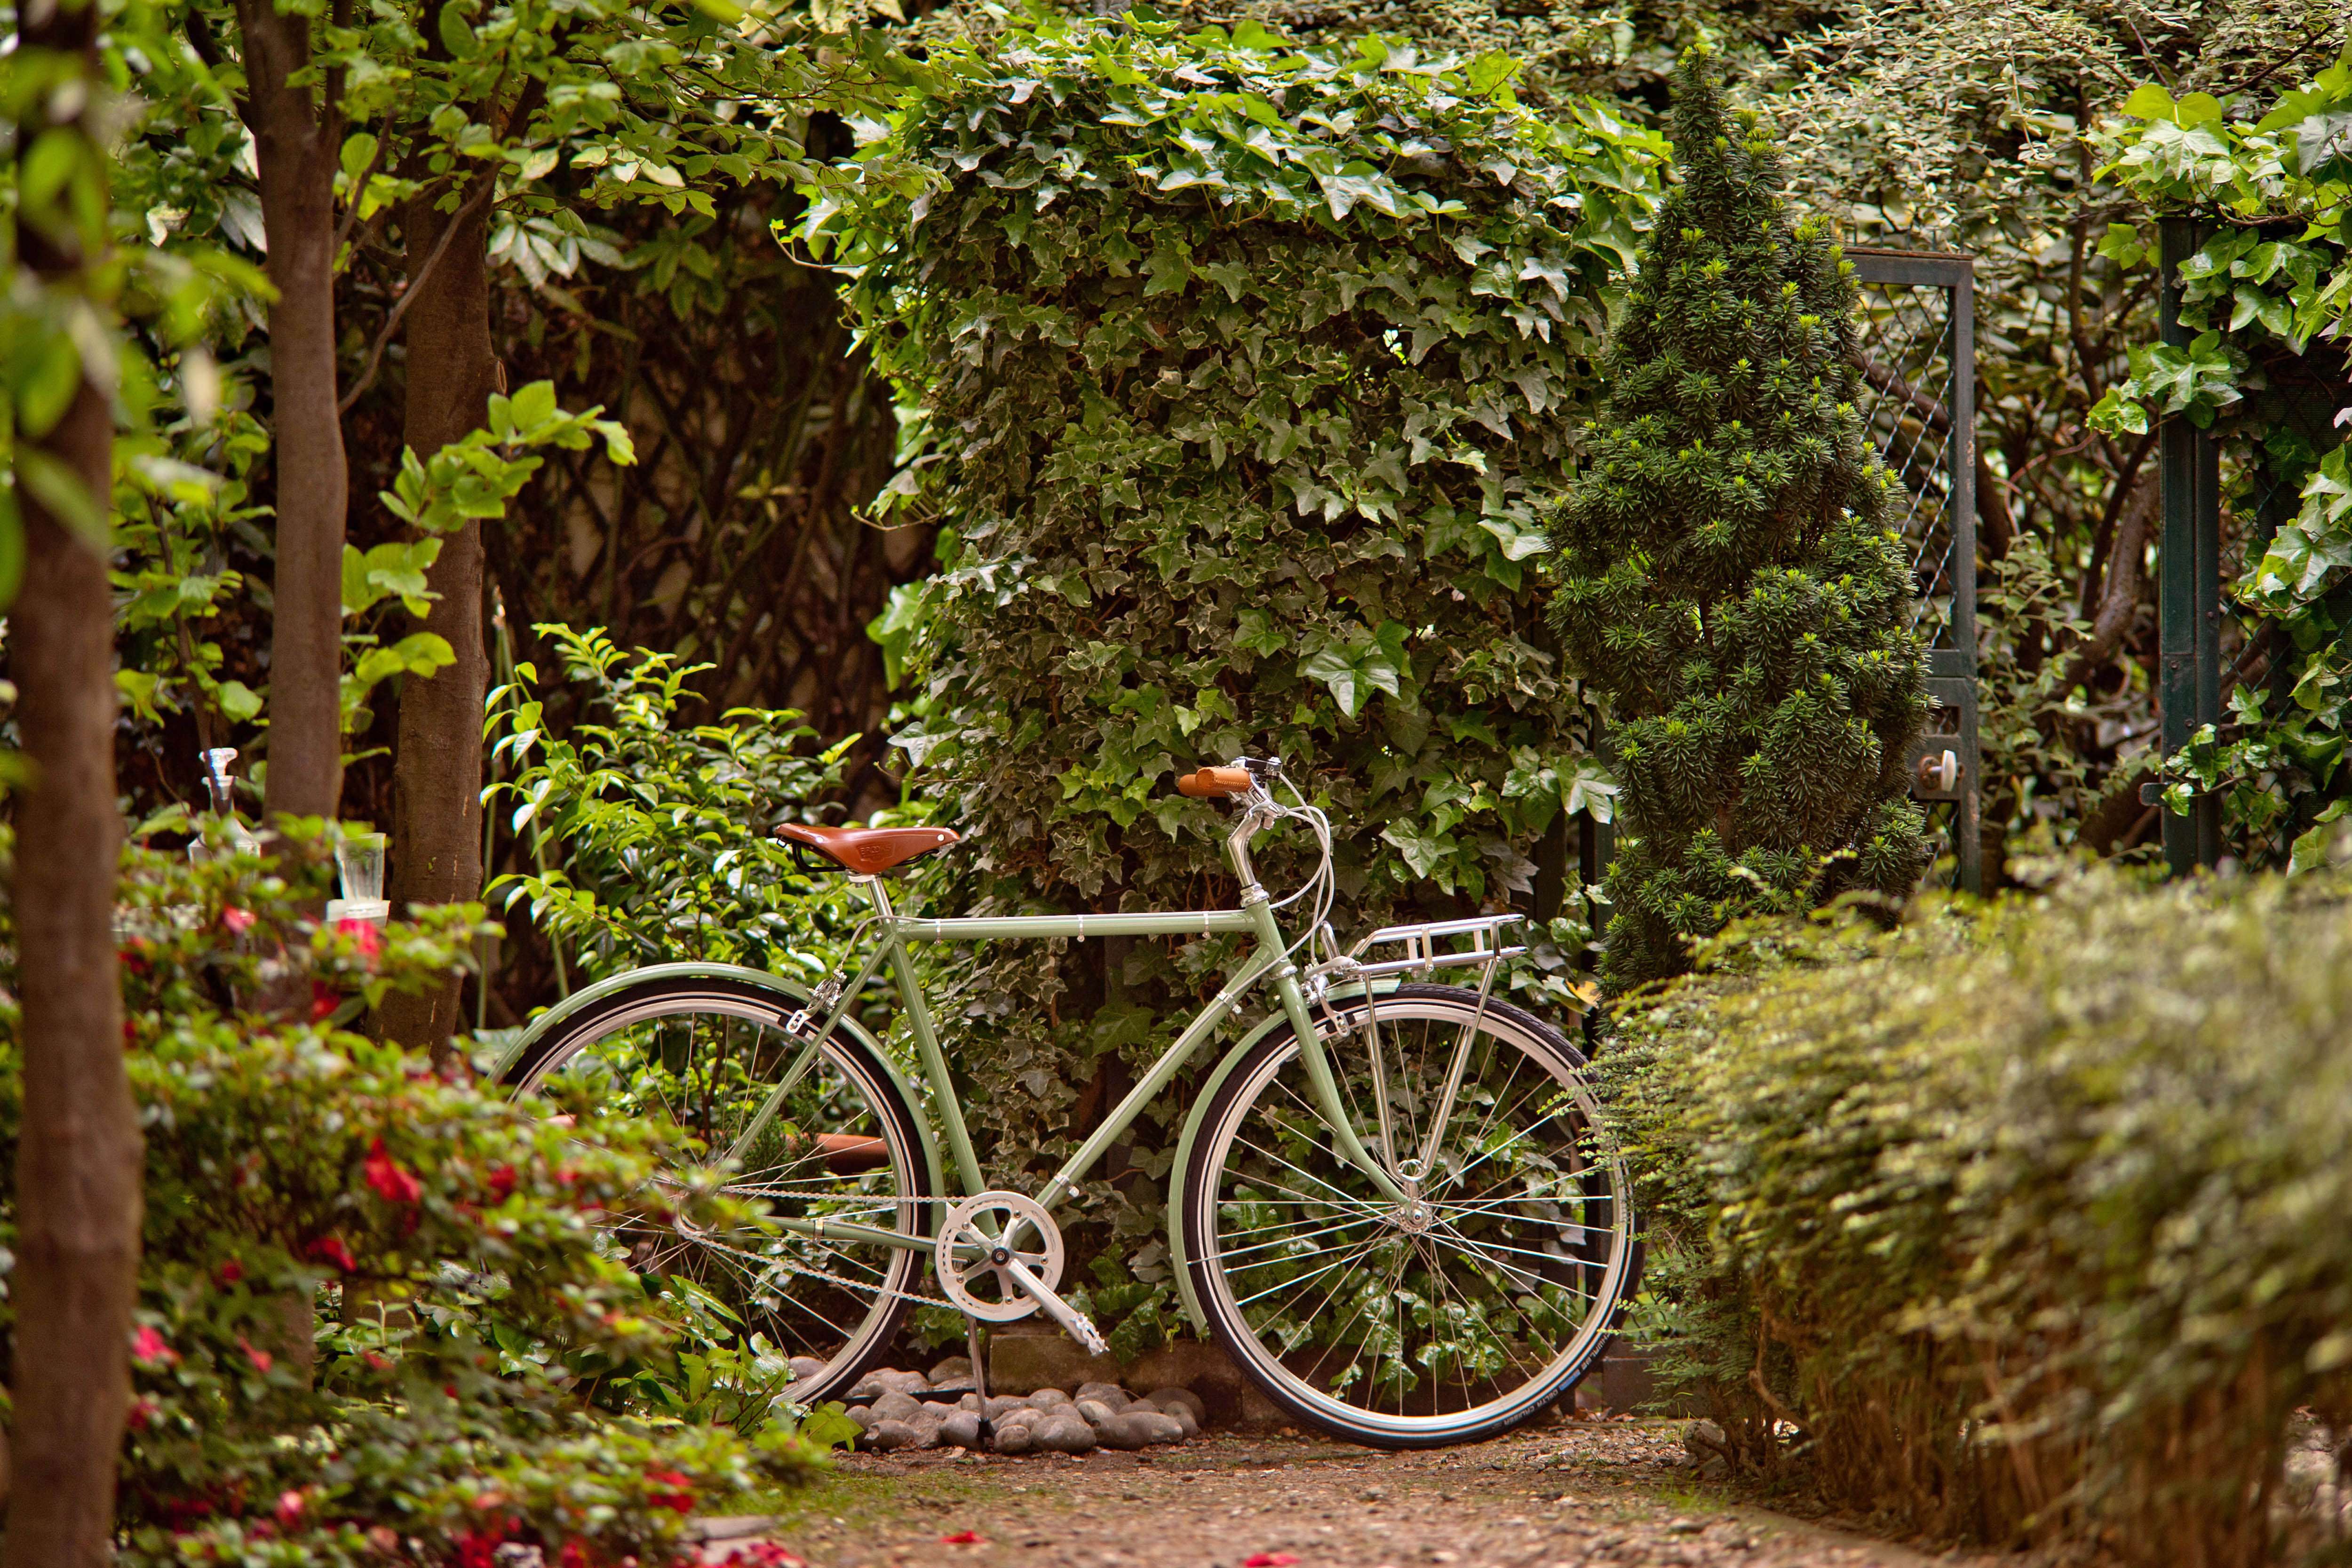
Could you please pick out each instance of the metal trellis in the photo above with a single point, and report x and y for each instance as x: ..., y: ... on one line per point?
x: 1916, y: 345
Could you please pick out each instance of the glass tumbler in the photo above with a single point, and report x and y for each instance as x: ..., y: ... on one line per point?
x: 358, y: 858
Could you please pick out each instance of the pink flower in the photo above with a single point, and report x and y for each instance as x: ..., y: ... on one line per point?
x: 324, y: 1000
x: 962, y: 1538
x: 392, y: 1183
x: 142, y: 1410
x: 1268, y: 1560
x: 148, y: 1349
x: 289, y: 1508
x: 239, y: 922
x: 260, y: 1358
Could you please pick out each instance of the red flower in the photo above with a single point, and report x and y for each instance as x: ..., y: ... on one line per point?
x: 238, y: 921
x: 129, y: 958
x: 962, y: 1538
x: 142, y: 1410
x: 228, y: 1274
x: 679, y: 1492
x: 381, y: 1364
x: 289, y: 1508
x: 363, y: 935
x: 260, y: 1358
x: 130, y: 1035
x: 574, y: 1555
x: 324, y: 1000
x: 331, y: 1250
x: 148, y: 1349
x: 1268, y: 1560
x: 502, y: 1182
x: 392, y: 1183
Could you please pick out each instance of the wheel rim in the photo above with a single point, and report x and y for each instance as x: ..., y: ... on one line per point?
x: 836, y: 1151
x: 1463, y: 1311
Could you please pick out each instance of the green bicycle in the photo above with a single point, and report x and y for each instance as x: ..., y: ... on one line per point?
x: 1393, y: 1206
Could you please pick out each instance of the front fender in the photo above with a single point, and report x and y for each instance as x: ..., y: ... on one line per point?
x: 1176, y: 1187
x: 786, y: 989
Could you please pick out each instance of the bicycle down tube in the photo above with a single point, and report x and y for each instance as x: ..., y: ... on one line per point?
x: 1256, y: 918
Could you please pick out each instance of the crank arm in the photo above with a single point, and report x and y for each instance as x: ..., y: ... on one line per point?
x: 1076, y: 1323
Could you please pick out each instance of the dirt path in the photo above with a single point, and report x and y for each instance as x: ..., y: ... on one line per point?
x: 1615, y: 1493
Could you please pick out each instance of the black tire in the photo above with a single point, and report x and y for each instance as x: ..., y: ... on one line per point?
x: 848, y: 1093
x: 1258, y: 1169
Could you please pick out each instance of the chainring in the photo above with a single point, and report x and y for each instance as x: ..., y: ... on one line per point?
x: 970, y: 1251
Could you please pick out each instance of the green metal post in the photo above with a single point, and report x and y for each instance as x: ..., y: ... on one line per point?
x: 2189, y: 597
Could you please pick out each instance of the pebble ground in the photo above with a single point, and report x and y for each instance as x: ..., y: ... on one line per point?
x: 1619, y: 1493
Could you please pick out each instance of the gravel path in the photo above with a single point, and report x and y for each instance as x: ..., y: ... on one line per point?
x: 1618, y: 1493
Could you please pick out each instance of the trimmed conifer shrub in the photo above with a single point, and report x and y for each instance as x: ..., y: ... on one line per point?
x: 1725, y: 577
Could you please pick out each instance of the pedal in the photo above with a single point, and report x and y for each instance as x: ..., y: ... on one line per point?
x: 1076, y: 1324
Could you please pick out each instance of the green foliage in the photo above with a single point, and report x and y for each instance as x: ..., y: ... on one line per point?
x: 2023, y: 1223
x: 659, y: 829
x: 1726, y: 577
x: 1244, y: 372
x: 458, y: 1236
x: 2269, y: 295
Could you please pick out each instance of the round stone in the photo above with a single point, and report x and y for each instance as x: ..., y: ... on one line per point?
x: 806, y: 1367
x: 1015, y: 1438
x: 1048, y: 1399
x: 1161, y: 1397
x: 1109, y: 1394
x: 1066, y: 1432
x: 955, y: 1369
x: 889, y: 1435
x: 1095, y: 1411
x: 961, y: 1430
x: 1182, y: 1417
x: 862, y: 1414
x: 896, y: 1406
x: 1144, y: 1428
x: 1001, y: 1405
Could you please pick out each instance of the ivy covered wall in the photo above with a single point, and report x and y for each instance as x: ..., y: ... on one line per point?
x: 1246, y: 375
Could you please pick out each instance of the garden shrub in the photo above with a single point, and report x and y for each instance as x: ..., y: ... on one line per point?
x: 1243, y: 375
x: 377, y: 1318
x: 658, y: 831
x: 1726, y: 577
x: 2025, y: 1222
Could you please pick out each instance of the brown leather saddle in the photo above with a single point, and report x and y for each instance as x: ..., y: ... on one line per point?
x: 867, y: 850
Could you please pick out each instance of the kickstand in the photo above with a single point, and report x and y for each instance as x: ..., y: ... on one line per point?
x: 980, y: 1379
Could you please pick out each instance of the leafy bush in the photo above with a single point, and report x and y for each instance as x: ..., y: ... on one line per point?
x: 660, y: 830
x: 1726, y: 575
x: 450, y: 1239
x: 2026, y: 1222
x: 1245, y: 372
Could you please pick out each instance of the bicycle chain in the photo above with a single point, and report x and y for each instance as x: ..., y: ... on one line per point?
x: 867, y: 1286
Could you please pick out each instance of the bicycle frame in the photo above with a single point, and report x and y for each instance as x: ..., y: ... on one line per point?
x: 1269, y: 959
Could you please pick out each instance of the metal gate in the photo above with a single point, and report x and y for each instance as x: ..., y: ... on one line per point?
x: 1916, y: 345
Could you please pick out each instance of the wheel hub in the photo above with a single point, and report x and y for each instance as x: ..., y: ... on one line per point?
x: 979, y: 1243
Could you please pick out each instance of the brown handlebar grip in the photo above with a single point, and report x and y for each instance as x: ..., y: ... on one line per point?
x: 1211, y: 782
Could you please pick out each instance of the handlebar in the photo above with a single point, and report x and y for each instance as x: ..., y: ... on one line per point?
x: 1214, y: 784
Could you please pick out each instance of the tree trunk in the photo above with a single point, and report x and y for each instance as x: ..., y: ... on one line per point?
x: 78, y: 1163
x: 295, y: 145
x: 437, y: 782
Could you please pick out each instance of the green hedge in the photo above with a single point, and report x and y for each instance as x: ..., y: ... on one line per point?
x: 2028, y: 1223
x: 1244, y: 375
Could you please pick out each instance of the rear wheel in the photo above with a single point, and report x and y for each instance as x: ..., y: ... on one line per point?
x: 1452, y: 1317
x: 704, y: 1056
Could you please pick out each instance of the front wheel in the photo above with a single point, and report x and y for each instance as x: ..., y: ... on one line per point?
x: 1450, y: 1317
x: 704, y: 1055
